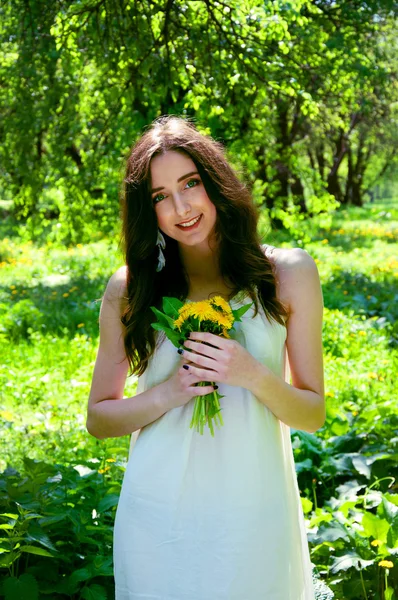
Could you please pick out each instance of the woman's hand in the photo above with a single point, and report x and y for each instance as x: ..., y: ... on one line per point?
x: 222, y: 361
x: 183, y: 386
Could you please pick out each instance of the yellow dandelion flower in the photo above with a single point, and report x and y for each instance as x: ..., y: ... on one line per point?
x: 14, y: 292
x: 224, y: 321
x: 184, y: 312
x: 376, y: 543
x: 103, y: 470
x: 221, y: 303
x: 12, y: 287
x: 5, y: 414
x: 225, y: 333
x: 386, y: 563
x: 372, y: 375
x: 178, y: 323
x: 80, y: 325
x: 65, y: 295
x: 361, y: 332
x: 204, y: 311
x: 111, y: 460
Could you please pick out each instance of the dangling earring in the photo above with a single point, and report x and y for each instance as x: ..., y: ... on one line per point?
x: 161, y: 243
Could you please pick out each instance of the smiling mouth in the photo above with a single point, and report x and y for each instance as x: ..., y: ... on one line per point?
x: 189, y: 224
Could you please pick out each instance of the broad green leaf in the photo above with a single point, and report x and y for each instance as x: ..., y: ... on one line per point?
x: 392, y: 535
x: 361, y: 465
x: 35, y: 550
x: 389, y: 593
x: 393, y: 498
x: 159, y: 326
x: 239, y: 312
x: 23, y: 588
x: 94, y: 592
x: 162, y: 318
x: 332, y: 532
x: 172, y: 334
x: 304, y: 465
x: 387, y: 510
x: 306, y: 504
x: 107, y: 502
x: 375, y: 527
x: 37, y: 534
x: 348, y: 560
x: 171, y: 306
x: 77, y: 576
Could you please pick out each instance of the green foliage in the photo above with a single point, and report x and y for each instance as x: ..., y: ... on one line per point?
x: 20, y: 320
x: 57, y: 527
x: 302, y: 93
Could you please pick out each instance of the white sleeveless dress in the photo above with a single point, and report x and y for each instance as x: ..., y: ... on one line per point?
x: 214, y: 518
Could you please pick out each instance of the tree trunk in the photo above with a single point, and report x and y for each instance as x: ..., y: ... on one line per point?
x: 297, y: 191
x: 333, y: 184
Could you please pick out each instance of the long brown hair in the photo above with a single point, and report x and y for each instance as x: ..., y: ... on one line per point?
x: 241, y: 259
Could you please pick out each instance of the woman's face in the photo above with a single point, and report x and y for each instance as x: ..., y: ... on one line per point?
x: 179, y: 197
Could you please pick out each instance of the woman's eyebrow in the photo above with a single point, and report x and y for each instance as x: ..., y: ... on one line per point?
x: 178, y: 181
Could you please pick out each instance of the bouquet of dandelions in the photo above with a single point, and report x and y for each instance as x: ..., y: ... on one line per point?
x: 177, y: 321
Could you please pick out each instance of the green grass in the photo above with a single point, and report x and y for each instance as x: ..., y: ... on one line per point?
x: 49, y: 306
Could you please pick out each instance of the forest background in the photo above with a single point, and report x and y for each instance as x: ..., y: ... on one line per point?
x: 303, y: 94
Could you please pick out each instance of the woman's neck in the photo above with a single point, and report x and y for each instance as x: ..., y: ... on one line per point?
x: 200, y: 263
x: 202, y: 267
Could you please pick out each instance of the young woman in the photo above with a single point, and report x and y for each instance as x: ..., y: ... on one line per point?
x: 202, y: 517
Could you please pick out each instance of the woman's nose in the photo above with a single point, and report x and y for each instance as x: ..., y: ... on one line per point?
x: 181, y: 206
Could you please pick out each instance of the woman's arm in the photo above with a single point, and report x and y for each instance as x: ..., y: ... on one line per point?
x: 108, y: 413
x: 302, y: 404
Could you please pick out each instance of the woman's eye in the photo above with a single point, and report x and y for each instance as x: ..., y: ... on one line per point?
x: 160, y: 197
x: 195, y: 181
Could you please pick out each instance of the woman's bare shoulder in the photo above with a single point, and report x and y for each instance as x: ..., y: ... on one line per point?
x: 288, y: 263
x: 284, y: 258
x: 116, y: 289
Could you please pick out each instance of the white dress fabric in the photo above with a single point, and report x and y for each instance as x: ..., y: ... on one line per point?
x: 214, y: 518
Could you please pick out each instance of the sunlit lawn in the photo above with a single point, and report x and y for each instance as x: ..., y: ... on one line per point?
x: 49, y: 306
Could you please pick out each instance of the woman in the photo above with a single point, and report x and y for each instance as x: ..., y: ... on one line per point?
x: 202, y: 517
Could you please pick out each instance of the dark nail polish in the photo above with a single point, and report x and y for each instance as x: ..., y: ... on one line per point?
x: 215, y: 387
x: 180, y: 350
x: 185, y: 366
x: 181, y: 341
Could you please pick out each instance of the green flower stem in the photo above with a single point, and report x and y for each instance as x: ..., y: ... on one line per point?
x: 363, y: 584
x: 218, y: 406
x: 206, y: 410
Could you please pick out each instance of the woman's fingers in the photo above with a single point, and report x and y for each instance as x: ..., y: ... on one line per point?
x: 202, y: 390
x: 199, y: 360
